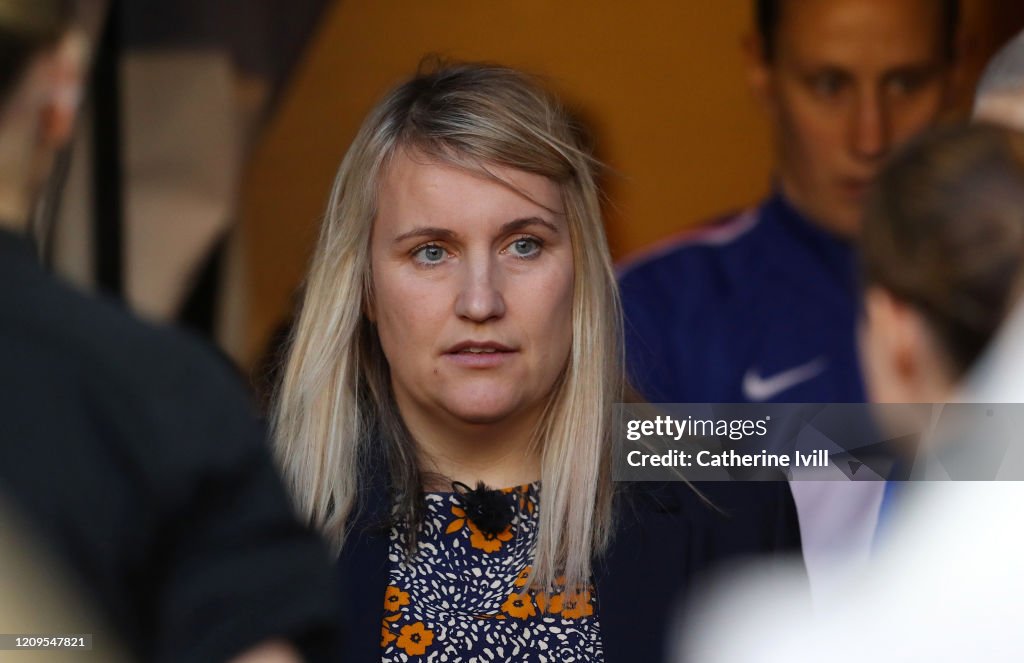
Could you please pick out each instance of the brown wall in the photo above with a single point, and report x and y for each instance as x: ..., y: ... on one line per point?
x: 661, y: 83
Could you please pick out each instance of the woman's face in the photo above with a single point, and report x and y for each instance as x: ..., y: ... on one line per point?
x: 472, y: 286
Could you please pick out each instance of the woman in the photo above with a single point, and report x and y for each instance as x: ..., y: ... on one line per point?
x: 460, y: 325
x: 943, y: 251
x: 943, y: 248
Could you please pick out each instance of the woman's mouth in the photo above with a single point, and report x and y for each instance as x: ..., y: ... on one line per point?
x: 479, y: 354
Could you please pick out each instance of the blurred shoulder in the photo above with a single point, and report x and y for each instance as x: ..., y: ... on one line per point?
x: 159, y: 394
x: 95, y: 339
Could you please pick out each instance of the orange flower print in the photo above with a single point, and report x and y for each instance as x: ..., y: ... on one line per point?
x: 523, y: 575
x: 550, y: 604
x: 488, y: 542
x: 386, y: 636
x: 523, y: 494
x: 394, y: 599
x: 519, y: 606
x: 460, y: 520
x: 577, y: 606
x: 415, y: 639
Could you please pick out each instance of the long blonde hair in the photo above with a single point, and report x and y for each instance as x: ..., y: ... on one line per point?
x: 334, y: 409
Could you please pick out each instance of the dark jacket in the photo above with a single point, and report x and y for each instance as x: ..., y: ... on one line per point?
x: 137, y: 458
x: 667, y: 540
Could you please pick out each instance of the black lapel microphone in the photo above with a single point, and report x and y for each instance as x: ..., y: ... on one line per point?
x: 490, y: 510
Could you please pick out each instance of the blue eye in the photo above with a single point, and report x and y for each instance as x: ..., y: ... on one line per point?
x: 525, y: 247
x: 431, y: 254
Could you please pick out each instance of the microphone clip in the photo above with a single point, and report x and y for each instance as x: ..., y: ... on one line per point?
x: 490, y: 510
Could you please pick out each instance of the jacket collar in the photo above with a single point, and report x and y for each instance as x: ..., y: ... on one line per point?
x: 362, y: 568
x: 641, y: 573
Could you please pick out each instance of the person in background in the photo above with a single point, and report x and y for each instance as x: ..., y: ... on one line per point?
x: 446, y: 411
x: 130, y: 451
x: 761, y: 306
x: 943, y: 248
x: 999, y: 97
x: 943, y: 252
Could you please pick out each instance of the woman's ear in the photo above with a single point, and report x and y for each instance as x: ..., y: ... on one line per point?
x: 903, y: 363
x: 903, y: 327
x: 65, y: 72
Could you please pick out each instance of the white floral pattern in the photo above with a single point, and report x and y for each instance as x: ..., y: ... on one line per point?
x: 461, y: 596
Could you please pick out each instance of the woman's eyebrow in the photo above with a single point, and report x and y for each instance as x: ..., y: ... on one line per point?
x: 524, y: 223
x: 426, y: 232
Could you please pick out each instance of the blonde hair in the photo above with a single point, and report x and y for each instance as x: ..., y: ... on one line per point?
x: 334, y: 405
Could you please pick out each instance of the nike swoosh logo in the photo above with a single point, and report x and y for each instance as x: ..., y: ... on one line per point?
x: 758, y: 389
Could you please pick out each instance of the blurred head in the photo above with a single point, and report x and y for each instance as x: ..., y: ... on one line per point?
x: 845, y: 82
x: 943, y: 246
x: 461, y: 273
x: 27, y: 28
x: 40, y: 74
x: 999, y: 98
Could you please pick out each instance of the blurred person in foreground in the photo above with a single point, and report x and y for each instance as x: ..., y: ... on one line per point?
x: 446, y: 409
x: 36, y: 597
x: 761, y: 306
x: 944, y: 259
x: 999, y: 99
x: 131, y: 451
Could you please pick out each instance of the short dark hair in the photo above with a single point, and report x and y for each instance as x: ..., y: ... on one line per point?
x: 26, y: 27
x: 944, y: 232
x: 768, y: 13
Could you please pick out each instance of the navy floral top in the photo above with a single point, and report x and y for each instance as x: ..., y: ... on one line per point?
x: 462, y: 596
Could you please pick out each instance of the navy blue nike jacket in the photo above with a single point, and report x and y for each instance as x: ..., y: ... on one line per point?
x: 759, y: 307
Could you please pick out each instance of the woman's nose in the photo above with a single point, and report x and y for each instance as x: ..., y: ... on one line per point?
x: 480, y: 296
